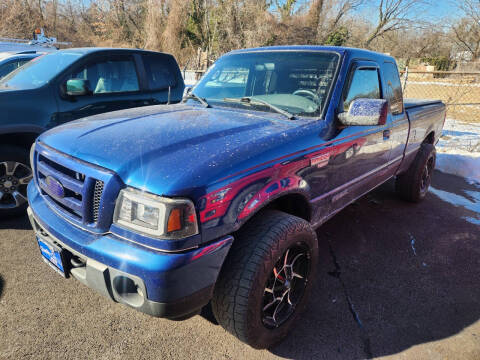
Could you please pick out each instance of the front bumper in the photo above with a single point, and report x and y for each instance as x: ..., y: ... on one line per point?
x: 161, y: 284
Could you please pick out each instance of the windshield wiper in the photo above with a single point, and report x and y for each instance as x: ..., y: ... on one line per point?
x: 196, y: 97
x: 252, y: 100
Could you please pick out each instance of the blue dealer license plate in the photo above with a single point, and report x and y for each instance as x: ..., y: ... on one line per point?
x: 52, y: 255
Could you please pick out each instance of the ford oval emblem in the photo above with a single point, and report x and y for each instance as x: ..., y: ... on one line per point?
x: 55, y: 187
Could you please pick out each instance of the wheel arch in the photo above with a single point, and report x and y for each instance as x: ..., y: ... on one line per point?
x: 293, y: 202
x: 430, y: 138
x: 20, y: 139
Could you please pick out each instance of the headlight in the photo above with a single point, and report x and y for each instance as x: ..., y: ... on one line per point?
x: 155, y: 215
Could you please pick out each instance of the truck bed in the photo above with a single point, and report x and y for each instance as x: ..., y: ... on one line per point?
x: 412, y: 103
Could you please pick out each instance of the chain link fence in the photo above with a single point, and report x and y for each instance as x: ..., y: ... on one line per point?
x: 460, y: 91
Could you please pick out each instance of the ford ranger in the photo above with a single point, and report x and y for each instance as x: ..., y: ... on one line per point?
x: 66, y: 85
x: 216, y: 200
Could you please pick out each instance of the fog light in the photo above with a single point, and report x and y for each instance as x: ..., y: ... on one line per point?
x: 128, y: 291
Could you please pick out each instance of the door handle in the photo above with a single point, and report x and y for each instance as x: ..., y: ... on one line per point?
x: 386, y: 134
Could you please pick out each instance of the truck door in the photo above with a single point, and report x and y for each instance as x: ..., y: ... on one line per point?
x: 356, y: 159
x: 114, y: 84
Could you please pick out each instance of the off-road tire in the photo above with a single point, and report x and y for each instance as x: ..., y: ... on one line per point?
x: 412, y: 185
x: 20, y: 155
x: 239, y: 293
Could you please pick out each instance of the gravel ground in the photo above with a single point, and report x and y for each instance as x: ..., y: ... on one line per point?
x: 396, y: 280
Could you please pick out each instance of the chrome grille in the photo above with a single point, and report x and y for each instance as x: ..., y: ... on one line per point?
x: 97, y: 196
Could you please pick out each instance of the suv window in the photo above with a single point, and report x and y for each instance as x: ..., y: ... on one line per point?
x: 160, y: 71
x: 394, y: 88
x: 364, y: 84
x: 109, y: 76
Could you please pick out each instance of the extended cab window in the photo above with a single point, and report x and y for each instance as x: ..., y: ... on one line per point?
x: 364, y: 84
x: 394, y: 88
x: 109, y: 76
x: 160, y: 71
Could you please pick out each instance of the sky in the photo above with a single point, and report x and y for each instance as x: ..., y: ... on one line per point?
x: 437, y: 10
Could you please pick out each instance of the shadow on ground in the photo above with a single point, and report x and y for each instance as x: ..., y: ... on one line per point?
x: 405, y: 274
x: 15, y: 223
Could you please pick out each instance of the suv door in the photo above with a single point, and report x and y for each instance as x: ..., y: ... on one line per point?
x: 357, y: 158
x: 115, y: 84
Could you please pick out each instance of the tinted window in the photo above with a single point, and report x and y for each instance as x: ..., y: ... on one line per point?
x: 40, y: 70
x: 394, y: 88
x: 109, y: 76
x: 161, y: 71
x: 7, y: 68
x: 297, y: 82
x: 364, y: 84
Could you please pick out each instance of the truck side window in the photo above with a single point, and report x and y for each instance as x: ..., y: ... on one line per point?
x: 364, y: 84
x: 110, y: 76
x: 161, y: 71
x: 394, y: 88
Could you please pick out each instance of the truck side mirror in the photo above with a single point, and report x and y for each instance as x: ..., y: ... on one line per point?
x: 78, y: 87
x: 365, y: 112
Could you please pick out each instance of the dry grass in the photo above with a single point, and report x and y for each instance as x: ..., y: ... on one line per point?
x: 461, y: 94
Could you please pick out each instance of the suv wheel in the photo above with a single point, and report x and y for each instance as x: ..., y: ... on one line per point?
x: 15, y: 174
x: 265, y: 281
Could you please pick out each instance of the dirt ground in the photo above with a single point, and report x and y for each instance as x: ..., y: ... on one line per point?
x: 396, y: 280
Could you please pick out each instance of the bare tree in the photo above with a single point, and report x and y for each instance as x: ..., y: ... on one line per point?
x: 326, y: 16
x: 394, y: 15
x: 466, y: 31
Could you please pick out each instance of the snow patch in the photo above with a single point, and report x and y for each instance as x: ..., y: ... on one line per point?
x: 412, y: 244
x: 471, y: 201
x: 458, y: 151
x: 461, y: 163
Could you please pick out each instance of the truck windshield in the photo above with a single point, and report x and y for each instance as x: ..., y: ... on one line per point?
x: 295, y: 81
x: 39, y: 71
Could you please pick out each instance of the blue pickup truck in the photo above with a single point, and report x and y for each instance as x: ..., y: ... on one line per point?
x: 66, y: 85
x: 216, y: 200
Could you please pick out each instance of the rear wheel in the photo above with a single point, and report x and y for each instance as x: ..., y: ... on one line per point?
x: 414, y: 183
x: 265, y: 281
x: 15, y: 174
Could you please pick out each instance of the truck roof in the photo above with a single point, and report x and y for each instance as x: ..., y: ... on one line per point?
x: 353, y: 52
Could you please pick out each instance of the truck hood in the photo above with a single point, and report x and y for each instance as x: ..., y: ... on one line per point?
x: 168, y: 149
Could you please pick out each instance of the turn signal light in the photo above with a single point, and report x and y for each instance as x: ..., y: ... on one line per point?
x: 174, y: 220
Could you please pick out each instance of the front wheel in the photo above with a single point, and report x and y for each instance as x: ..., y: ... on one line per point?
x: 266, y: 279
x: 15, y: 174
